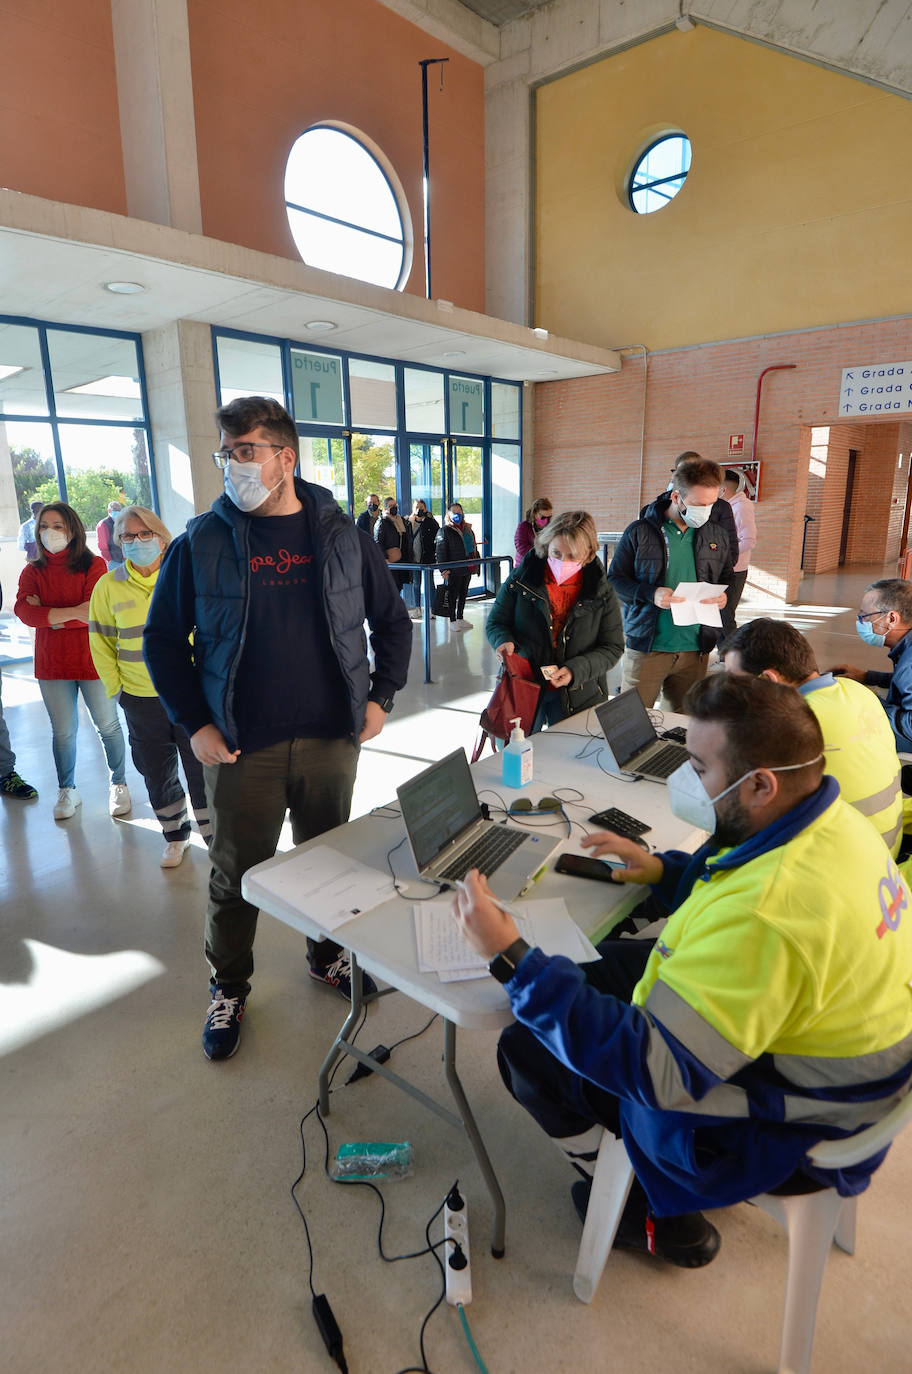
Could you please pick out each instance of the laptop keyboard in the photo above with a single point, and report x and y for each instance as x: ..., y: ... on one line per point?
x: 487, y: 853
x: 664, y: 761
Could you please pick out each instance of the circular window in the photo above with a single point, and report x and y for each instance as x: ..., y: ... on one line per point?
x: 659, y: 173
x: 342, y: 210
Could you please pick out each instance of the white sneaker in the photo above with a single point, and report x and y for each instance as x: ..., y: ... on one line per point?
x: 415, y: 615
x: 119, y: 803
x: 173, y: 853
x: 457, y: 625
x: 67, y: 801
x: 464, y: 624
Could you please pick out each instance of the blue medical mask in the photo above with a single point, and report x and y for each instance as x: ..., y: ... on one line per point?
x: 245, y: 487
x: 866, y: 633
x: 141, y: 554
x: 456, y: 517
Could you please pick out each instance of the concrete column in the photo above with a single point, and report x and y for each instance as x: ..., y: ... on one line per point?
x: 9, y: 509
x: 157, y: 126
x: 508, y: 190
x: 180, y: 380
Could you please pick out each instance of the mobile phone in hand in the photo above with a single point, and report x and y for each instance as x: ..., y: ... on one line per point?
x: 578, y: 866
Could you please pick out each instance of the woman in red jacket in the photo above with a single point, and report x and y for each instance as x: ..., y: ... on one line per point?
x: 54, y: 591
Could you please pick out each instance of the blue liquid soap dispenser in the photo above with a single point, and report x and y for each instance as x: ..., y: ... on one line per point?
x: 517, y: 758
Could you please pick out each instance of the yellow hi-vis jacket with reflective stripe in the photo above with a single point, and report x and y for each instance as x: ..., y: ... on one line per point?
x: 117, y: 618
x: 860, y: 751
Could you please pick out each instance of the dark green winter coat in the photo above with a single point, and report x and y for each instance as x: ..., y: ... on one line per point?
x: 590, y: 643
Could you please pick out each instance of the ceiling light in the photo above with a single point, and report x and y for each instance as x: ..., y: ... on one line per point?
x: 319, y: 326
x: 551, y: 373
x: 126, y: 387
x: 124, y: 288
x: 454, y: 353
x: 6, y: 370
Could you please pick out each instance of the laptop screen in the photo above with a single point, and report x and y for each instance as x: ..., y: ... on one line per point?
x: 626, y: 725
x: 437, y: 805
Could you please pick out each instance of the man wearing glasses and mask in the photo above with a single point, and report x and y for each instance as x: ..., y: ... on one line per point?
x: 884, y: 621
x: 274, y: 584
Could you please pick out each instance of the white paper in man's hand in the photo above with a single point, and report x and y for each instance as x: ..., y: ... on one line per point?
x: 691, y: 610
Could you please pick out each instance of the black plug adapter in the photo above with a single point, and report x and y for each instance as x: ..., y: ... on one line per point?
x: 380, y: 1053
x: 329, y: 1330
x: 454, y: 1199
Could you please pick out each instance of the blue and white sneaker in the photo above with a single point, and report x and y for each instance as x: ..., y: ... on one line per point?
x: 222, y: 1031
x: 338, y: 975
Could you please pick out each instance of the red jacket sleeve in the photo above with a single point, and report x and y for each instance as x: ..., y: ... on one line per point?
x: 35, y: 616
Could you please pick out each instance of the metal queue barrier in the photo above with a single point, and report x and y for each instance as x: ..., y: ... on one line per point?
x: 428, y: 569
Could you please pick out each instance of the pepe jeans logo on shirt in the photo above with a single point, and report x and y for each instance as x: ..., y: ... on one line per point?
x: 893, y: 900
x: 281, y: 564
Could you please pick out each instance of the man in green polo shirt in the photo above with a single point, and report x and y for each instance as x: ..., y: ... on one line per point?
x: 674, y: 541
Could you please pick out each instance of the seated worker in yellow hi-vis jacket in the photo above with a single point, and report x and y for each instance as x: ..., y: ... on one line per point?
x: 774, y: 1011
x: 857, y: 739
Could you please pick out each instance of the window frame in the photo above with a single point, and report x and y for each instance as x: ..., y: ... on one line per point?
x: 658, y: 181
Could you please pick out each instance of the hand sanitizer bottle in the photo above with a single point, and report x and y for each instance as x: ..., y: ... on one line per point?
x: 517, y: 758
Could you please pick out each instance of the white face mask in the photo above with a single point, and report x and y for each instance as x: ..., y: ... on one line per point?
x: 245, y: 487
x: 695, y: 516
x: 55, y: 541
x: 690, y: 801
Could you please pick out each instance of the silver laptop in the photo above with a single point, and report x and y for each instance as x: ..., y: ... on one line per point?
x: 632, y: 741
x: 448, y: 833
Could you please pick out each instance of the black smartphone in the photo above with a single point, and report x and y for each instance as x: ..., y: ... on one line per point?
x: 580, y: 867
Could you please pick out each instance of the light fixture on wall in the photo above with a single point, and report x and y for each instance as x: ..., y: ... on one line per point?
x: 319, y: 326
x: 124, y: 288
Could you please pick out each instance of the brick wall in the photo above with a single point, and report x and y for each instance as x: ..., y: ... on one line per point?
x: 587, y: 441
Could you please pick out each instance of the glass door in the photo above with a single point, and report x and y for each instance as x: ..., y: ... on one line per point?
x: 323, y: 462
x: 468, y: 490
x: 426, y: 476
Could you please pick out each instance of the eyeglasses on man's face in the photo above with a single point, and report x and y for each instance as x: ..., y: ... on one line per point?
x: 243, y: 453
x: 864, y: 617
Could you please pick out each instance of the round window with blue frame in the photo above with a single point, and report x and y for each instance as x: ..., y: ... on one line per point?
x: 659, y: 173
x: 345, y: 207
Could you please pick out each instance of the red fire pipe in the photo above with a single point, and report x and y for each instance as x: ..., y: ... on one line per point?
x: 777, y: 367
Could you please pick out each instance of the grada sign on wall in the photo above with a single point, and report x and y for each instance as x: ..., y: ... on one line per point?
x: 876, y: 389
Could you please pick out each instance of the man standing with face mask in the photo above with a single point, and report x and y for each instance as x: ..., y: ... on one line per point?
x: 275, y: 691
x: 884, y: 621
x: 675, y: 540
x: 774, y: 1011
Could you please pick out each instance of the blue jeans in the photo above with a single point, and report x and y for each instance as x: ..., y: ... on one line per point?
x: 7, y: 757
x: 60, y: 701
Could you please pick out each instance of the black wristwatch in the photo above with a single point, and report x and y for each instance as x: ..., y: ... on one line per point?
x: 503, y: 965
x: 385, y: 702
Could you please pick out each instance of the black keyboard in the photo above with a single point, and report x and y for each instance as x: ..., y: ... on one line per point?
x: 487, y: 853
x: 663, y: 762
x: 620, y: 823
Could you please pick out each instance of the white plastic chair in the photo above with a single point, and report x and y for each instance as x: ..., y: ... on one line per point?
x: 812, y: 1220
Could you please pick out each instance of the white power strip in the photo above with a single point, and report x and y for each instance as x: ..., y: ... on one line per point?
x: 458, y: 1281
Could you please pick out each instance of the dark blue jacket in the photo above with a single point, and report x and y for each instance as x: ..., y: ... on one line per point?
x: 203, y: 590
x: 898, y: 704
x: 639, y: 565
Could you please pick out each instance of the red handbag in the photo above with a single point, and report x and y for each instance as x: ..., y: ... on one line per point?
x: 517, y: 694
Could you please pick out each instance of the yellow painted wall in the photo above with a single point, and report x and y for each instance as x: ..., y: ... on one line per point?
x: 796, y: 211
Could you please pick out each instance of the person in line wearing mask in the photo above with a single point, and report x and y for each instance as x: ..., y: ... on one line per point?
x: 857, y: 739
x: 53, y: 598
x: 456, y: 541
x: 370, y: 515
x: 722, y: 512
x: 559, y: 609
x: 677, y: 540
x: 773, y: 1013
x: 423, y: 529
x: 395, y: 539
x: 118, y: 609
x: 742, y: 508
x: 104, y: 533
x: 884, y: 621
x: 276, y: 691
x: 537, y: 517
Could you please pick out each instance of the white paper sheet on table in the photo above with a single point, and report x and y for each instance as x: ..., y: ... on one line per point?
x: 327, y: 886
x: 690, y: 611
x: 442, y: 950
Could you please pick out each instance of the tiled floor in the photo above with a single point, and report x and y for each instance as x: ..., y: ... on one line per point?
x: 147, y: 1224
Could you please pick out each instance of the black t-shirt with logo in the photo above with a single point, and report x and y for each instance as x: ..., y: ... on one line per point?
x: 289, y: 684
